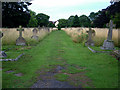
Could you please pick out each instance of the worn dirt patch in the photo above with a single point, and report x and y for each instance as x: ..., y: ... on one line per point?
x: 9, y: 71
x: 18, y: 74
x: 80, y: 79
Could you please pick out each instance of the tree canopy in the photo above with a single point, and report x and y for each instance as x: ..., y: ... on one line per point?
x: 43, y: 19
x: 15, y: 14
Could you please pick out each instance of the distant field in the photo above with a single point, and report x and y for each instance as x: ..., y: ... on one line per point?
x: 100, y: 34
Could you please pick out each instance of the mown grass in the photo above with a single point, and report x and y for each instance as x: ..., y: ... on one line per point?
x: 61, y: 77
x: 101, y: 68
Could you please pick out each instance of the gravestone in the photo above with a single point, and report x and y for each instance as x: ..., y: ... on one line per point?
x: 89, y: 42
x: 35, y: 34
x: 20, y: 40
x: 109, y: 44
x: 2, y: 53
x: 39, y: 28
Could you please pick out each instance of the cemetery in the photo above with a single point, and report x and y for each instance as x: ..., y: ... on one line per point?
x: 78, y: 52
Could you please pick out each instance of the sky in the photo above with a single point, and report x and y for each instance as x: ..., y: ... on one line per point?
x: 63, y: 9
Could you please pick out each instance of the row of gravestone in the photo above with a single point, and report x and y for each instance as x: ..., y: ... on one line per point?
x: 21, y: 40
x: 108, y: 44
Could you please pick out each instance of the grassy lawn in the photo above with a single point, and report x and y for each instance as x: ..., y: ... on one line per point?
x: 100, y: 69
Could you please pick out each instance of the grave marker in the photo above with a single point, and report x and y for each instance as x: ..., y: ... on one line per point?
x: 108, y: 44
x: 89, y: 42
x: 2, y: 53
x: 20, y: 40
x: 35, y: 34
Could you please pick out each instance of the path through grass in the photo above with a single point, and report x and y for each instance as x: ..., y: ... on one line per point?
x: 81, y: 66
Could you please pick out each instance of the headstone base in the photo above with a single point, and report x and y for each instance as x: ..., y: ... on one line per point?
x: 89, y: 43
x: 35, y: 37
x: 3, y: 54
x: 108, y: 45
x: 21, y: 41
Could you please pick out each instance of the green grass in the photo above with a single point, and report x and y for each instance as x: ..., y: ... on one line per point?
x: 101, y: 68
x: 61, y: 77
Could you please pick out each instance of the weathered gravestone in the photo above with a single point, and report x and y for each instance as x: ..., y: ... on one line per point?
x: 108, y: 44
x: 20, y: 40
x: 90, y: 42
x: 2, y: 53
x: 35, y: 34
x: 39, y: 28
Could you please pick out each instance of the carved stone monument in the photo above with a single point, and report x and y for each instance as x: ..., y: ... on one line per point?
x: 108, y: 44
x: 2, y: 53
x: 20, y: 40
x: 35, y: 34
x: 89, y: 42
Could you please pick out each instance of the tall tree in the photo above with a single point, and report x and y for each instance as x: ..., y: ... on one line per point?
x: 84, y: 21
x: 70, y: 21
x: 63, y: 23
x: 43, y: 19
x: 76, y: 21
x: 33, y: 21
x: 15, y: 14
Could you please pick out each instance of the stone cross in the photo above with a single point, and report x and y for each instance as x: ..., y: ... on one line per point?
x: 20, y: 31
x: 109, y: 44
x: 110, y: 25
x: 89, y: 34
x: 20, y: 40
x: 89, y: 42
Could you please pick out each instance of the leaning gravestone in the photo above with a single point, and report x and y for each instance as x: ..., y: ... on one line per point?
x: 20, y: 40
x: 35, y: 34
x: 108, y: 44
x: 89, y: 42
x: 2, y: 53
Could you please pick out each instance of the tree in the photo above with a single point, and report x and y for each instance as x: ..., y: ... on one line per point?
x: 116, y: 20
x: 33, y: 21
x: 15, y: 14
x: 106, y: 14
x: 63, y: 23
x: 51, y: 24
x: 43, y: 19
x: 70, y: 21
x: 76, y: 21
x: 84, y: 21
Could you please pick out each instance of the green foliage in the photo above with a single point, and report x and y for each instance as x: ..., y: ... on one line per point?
x: 76, y: 21
x: 116, y: 20
x: 84, y: 21
x: 15, y: 14
x: 33, y: 21
x: 43, y: 19
x: 70, y: 21
x: 61, y: 77
x: 104, y: 16
x: 63, y: 23
x: 51, y: 24
x: 59, y: 27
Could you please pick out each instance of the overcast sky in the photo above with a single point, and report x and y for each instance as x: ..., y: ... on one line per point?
x: 58, y: 9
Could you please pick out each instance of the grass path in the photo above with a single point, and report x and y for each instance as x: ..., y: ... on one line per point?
x: 80, y: 67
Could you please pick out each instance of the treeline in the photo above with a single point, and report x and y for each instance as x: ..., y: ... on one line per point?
x: 17, y: 13
x: 95, y: 19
